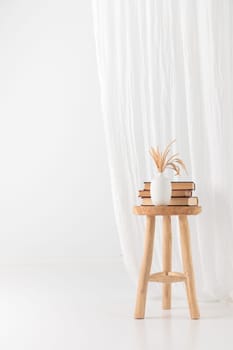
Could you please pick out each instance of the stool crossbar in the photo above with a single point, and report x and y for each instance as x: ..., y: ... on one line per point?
x: 166, y: 276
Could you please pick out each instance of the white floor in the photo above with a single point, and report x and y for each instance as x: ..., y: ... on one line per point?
x: 89, y: 305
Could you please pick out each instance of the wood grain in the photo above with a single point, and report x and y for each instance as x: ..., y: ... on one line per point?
x: 155, y: 210
x: 188, y: 267
x: 170, y: 277
x: 145, y: 268
x: 167, y: 260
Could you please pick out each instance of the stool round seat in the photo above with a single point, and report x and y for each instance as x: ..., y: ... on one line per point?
x: 155, y: 210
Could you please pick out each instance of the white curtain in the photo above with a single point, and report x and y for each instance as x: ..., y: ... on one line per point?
x: 166, y: 71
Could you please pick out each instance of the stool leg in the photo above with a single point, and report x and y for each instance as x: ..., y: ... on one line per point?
x: 188, y: 266
x: 145, y: 268
x: 167, y: 260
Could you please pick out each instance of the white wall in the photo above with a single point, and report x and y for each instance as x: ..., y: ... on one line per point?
x: 55, y: 196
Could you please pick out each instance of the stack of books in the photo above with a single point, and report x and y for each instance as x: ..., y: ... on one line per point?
x: 182, y: 194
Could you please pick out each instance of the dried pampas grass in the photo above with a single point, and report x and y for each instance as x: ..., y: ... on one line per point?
x: 163, y: 161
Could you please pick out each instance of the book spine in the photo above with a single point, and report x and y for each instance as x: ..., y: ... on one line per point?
x: 176, y: 186
x: 174, y: 194
x: 193, y: 201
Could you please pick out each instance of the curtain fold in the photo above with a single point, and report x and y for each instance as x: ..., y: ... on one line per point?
x: 165, y: 70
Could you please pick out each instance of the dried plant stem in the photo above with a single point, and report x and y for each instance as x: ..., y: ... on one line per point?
x: 163, y: 162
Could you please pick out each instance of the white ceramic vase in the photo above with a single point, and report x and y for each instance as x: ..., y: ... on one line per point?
x: 160, y: 189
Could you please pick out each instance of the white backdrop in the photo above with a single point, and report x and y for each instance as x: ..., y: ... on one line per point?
x: 53, y: 160
x: 165, y: 71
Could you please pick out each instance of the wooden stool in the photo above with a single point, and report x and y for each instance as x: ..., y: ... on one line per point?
x: 167, y: 277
